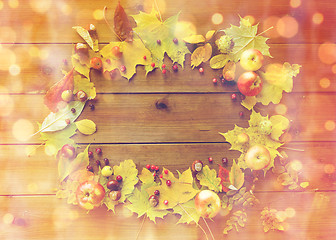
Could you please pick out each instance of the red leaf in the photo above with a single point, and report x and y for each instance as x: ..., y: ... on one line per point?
x: 53, y: 96
x: 122, y: 25
x: 223, y: 174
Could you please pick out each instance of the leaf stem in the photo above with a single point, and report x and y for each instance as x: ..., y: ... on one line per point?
x: 208, y: 228
x: 293, y: 149
x: 142, y: 223
x: 157, y: 7
x: 110, y: 27
x: 194, y: 221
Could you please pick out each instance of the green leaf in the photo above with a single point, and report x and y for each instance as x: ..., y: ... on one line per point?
x: 132, y: 55
x: 187, y: 211
x: 140, y: 205
x: 85, y: 85
x: 219, y: 61
x: 66, y: 167
x: 82, y: 67
x: 245, y: 37
x: 150, y: 29
x: 86, y: 126
x: 57, y: 121
x: 208, y: 178
x: 92, y: 42
x: 54, y: 141
x: 236, y: 176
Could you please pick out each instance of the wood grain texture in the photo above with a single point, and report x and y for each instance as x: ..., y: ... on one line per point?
x: 44, y: 217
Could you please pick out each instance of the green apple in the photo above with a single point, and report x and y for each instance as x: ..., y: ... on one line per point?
x: 257, y: 157
x: 251, y: 60
x: 207, y: 203
x: 265, y: 127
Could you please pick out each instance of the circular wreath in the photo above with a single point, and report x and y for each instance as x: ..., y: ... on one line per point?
x: 154, y: 191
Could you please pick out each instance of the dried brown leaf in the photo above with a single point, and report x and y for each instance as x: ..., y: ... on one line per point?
x: 122, y: 25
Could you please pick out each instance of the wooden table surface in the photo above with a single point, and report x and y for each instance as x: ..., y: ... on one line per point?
x: 36, y: 35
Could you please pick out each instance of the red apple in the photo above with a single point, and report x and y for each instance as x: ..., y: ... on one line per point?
x: 207, y: 203
x: 249, y: 84
x: 90, y: 194
x: 257, y: 157
x: 251, y: 60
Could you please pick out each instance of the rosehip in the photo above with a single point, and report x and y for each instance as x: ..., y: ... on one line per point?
x: 175, y: 40
x: 90, y: 154
x: 214, y: 80
x: 158, y: 41
x: 163, y: 65
x: 210, y: 159
x: 98, y: 162
x: 116, y: 51
x: 119, y: 178
x: 156, y: 192
x: 166, y: 171
x: 164, y: 71
x: 122, y: 68
x: 96, y: 63
x: 175, y: 68
x: 98, y: 150
x: 153, y: 65
x: 144, y: 57
x: 168, y: 182
x: 165, y: 202
x: 234, y: 96
x: 201, y: 70
x: 89, y: 168
x: 106, y: 161
x: 148, y: 166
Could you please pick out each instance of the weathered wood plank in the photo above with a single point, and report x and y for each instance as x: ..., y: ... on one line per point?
x: 41, y: 67
x: 45, y: 217
x: 41, y: 24
x: 37, y: 174
x: 134, y: 118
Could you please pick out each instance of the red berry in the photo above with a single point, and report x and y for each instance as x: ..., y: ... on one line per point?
x: 156, y: 192
x: 148, y: 166
x: 99, y: 151
x: 90, y: 154
x: 224, y: 160
x: 168, y: 182
x: 158, y: 41
x: 160, y: 176
x: 144, y: 57
x: 201, y: 70
x: 92, y: 107
x: 153, y: 167
x: 241, y: 114
x: 214, y: 80
x: 96, y: 63
x: 234, y: 96
x: 156, y: 168
x: 164, y: 71
x: 165, y: 202
x: 89, y: 168
x: 116, y: 51
x: 98, y: 162
x: 175, y: 68
x: 163, y: 65
x: 166, y: 171
x: 210, y: 159
x: 119, y: 178
x: 153, y: 64
x: 122, y: 68
x: 107, y: 162
x: 175, y: 40
x: 154, y: 174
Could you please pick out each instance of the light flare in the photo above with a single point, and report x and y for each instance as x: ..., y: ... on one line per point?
x: 324, y: 82
x: 327, y: 53
x: 287, y: 27
x: 217, y: 18
x: 330, y: 125
x: 22, y: 130
x: 318, y: 18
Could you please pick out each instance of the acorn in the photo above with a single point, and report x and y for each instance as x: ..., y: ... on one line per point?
x: 81, y: 49
x: 153, y: 200
x: 81, y: 96
x: 112, y: 185
x: 197, y: 166
x: 115, y: 195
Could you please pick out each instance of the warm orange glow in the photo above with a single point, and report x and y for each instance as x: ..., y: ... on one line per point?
x: 1, y: 5
x: 7, y: 58
x: 9, y: 37
x: 290, y: 212
x: 318, y: 18
x: 32, y: 187
x: 281, y: 109
x: 14, y: 70
x: 333, y: 68
x: 287, y: 27
x: 329, y: 125
x: 250, y: 18
x: 295, y: 3
x: 98, y: 14
x: 329, y: 168
x: 22, y: 129
x: 324, y: 82
x: 66, y: 9
x: 271, y: 22
x: 217, y: 18
x: 40, y: 6
x: 181, y: 28
x: 13, y: 3
x: 296, y: 165
x: 327, y: 53
x: 6, y: 105
x: 157, y: 4
x: 8, y: 218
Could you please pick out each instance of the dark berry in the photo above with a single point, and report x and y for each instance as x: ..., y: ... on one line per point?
x: 89, y: 168
x: 107, y: 162
x: 157, y: 192
x: 234, y: 96
x: 158, y: 41
x: 119, y: 178
x: 90, y: 154
x: 242, y: 97
x: 98, y: 151
x: 153, y: 200
x: 175, y: 40
x: 168, y: 182
x: 241, y: 114
x: 224, y: 160
x: 175, y: 68
x: 73, y: 110
x: 112, y: 185
x: 98, y: 162
x: 92, y: 107
x: 148, y: 166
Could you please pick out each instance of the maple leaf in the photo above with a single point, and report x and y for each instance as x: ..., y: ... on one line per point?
x: 151, y: 29
x: 81, y: 65
x: 180, y: 191
x: 236, y: 176
x: 279, y: 125
x: 53, y: 95
x: 147, y: 178
x: 245, y: 37
x: 122, y: 25
x: 54, y: 141
x: 132, y: 55
x: 187, y: 211
x: 85, y: 85
x: 223, y: 174
x: 66, y: 167
x: 208, y: 178
x: 140, y: 205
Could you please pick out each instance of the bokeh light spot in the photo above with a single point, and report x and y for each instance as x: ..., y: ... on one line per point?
x: 250, y: 18
x: 287, y: 27
x: 217, y: 18
x: 32, y: 187
x: 281, y: 109
x: 1, y: 5
x: 7, y: 58
x: 296, y: 165
x: 98, y: 14
x: 8, y: 218
x: 40, y: 6
x: 327, y: 53
x: 290, y: 212
x: 329, y: 125
x: 271, y: 22
x: 13, y: 3
x: 318, y: 18
x: 14, y: 70
x: 295, y: 3
x: 333, y: 68
x: 158, y: 4
x: 66, y: 9
x: 324, y: 82
x: 281, y: 216
x: 329, y: 168
x: 180, y: 30
x: 22, y: 129
x: 9, y: 37
x: 6, y: 105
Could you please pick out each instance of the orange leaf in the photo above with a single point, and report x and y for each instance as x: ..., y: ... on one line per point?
x: 122, y: 25
x: 223, y: 174
x: 53, y: 96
